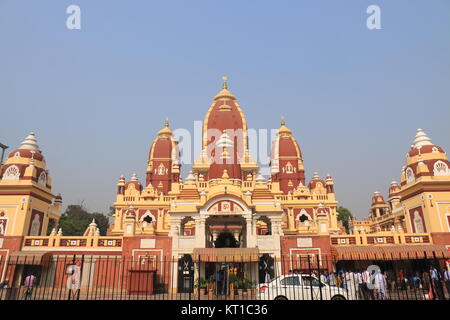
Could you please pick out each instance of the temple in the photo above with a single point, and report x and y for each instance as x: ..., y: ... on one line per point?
x: 224, y: 210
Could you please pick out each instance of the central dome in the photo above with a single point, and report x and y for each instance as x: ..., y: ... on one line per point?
x: 225, y: 119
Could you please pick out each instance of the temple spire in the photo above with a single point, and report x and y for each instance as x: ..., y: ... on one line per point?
x: 224, y: 93
x: 421, y: 139
x: 30, y: 143
x: 166, y: 129
x: 224, y: 85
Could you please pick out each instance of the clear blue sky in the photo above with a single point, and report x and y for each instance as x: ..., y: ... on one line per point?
x: 97, y: 96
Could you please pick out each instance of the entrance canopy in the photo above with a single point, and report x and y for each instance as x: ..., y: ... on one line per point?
x: 226, y: 255
x: 29, y: 257
x: 390, y: 252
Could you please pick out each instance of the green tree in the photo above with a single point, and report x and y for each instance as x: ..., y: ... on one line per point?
x: 76, y: 219
x: 345, y: 216
x: 112, y: 211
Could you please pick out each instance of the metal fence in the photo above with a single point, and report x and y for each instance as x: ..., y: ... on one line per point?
x: 86, y: 277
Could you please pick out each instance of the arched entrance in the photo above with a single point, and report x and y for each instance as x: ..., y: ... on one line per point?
x: 225, y: 232
x: 226, y: 240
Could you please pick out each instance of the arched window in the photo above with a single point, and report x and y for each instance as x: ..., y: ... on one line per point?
x: 42, y: 178
x: 303, y: 216
x: 187, y: 226
x: 147, y: 218
x: 161, y: 169
x: 17, y: 154
x: 12, y: 173
x: 409, y: 175
x: 441, y: 169
x: 289, y: 168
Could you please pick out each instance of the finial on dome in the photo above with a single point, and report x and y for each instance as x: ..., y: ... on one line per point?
x: 166, y: 129
x: 421, y: 139
x: 224, y: 85
x: 134, y: 177
x: 283, y: 128
x: 224, y: 93
x: 30, y: 143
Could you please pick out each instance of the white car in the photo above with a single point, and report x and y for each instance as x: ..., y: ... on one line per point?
x: 300, y: 287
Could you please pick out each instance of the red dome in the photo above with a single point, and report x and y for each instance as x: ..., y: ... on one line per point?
x: 161, y: 148
x: 224, y: 114
x: 289, y: 147
x: 137, y: 185
x: 394, y: 189
x: 224, y: 132
x: 377, y: 199
x: 25, y: 153
x: 162, y: 159
x: 425, y: 149
x: 313, y: 183
x: 286, y: 160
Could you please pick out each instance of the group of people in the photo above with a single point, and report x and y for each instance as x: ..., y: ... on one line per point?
x: 377, y: 284
x: 28, y: 283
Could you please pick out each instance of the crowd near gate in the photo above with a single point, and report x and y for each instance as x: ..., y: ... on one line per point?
x: 310, y: 277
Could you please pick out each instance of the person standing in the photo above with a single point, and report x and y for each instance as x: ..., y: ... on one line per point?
x: 219, y: 277
x: 437, y: 288
x: 380, y: 286
x: 324, y: 277
x: 73, y: 281
x: 29, y: 284
x: 401, y: 279
x: 332, y: 279
x: 359, y: 284
x: 365, y: 275
x: 446, y: 275
x: 351, y: 283
x: 391, y: 280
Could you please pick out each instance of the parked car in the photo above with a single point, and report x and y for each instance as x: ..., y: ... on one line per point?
x: 300, y: 287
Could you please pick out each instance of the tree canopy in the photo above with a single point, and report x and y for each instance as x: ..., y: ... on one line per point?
x: 345, y: 216
x: 76, y: 219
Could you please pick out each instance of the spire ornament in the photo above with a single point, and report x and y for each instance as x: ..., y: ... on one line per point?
x: 225, y: 85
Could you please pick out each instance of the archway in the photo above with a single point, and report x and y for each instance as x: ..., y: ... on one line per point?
x: 225, y: 232
x: 226, y: 240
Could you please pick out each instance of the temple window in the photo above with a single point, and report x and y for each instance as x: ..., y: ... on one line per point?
x: 188, y: 226
x: 441, y: 169
x: 42, y: 178
x: 409, y: 175
x: 289, y: 168
x: 12, y: 173
x: 161, y: 169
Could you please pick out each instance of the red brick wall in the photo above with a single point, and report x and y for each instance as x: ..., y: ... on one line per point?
x: 441, y: 237
x: 162, y: 242
x: 290, y: 250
